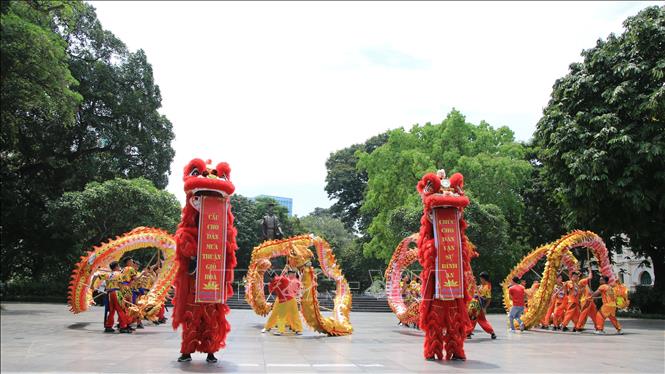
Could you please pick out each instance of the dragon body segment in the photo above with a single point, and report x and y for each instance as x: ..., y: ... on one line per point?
x: 99, y: 258
x: 558, y: 254
x: 299, y: 256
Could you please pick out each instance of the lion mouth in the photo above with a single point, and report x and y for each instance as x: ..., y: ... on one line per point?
x: 208, y: 192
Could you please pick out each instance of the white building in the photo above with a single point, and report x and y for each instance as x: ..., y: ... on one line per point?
x: 631, y: 269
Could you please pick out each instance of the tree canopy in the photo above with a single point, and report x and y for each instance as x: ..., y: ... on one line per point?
x: 602, y: 138
x: 82, y: 219
x: 77, y: 107
x: 492, y: 162
x: 346, y: 184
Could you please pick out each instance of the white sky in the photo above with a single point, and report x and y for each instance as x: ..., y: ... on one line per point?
x: 274, y: 88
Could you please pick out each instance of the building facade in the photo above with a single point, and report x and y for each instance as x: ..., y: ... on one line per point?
x: 632, y: 270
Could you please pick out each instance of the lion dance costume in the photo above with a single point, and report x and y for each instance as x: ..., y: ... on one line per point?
x: 443, y: 252
x: 204, y: 324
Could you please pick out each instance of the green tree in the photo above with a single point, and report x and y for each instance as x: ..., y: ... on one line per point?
x: 55, y: 139
x: 602, y: 138
x: 489, y: 231
x: 543, y: 214
x: 247, y: 223
x: 322, y: 223
x: 35, y: 77
x: 492, y: 162
x: 346, y: 184
x: 81, y: 220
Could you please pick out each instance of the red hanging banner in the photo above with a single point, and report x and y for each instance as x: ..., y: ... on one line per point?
x: 211, y: 257
x: 449, y: 272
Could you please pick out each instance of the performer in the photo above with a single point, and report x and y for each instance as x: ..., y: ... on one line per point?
x: 573, y: 290
x: 587, y: 306
x: 137, y: 287
x: 98, y: 283
x: 161, y: 318
x: 204, y: 324
x: 412, y: 296
x: 443, y: 305
x: 560, y: 302
x: 609, y: 308
x: 285, y: 310
x: 127, y: 287
x: 547, y: 318
x: 516, y: 292
x: 530, y: 292
x: 115, y: 301
x: 484, y: 297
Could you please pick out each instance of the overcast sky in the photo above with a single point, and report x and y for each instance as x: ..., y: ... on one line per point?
x: 274, y: 88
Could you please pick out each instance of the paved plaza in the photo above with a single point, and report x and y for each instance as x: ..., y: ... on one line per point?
x: 48, y: 338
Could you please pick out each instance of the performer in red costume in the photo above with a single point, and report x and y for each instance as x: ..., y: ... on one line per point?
x: 204, y: 324
x: 444, y: 295
x: 484, y: 297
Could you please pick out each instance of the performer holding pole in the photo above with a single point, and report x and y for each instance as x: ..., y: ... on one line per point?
x: 573, y: 290
x: 560, y: 302
x: 115, y: 301
x: 587, y: 305
x: 285, y: 310
x: 484, y: 297
x: 609, y: 308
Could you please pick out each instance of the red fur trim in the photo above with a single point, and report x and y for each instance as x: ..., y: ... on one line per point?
x: 433, y: 179
x: 197, y: 163
x: 223, y: 168
x: 457, y: 181
x: 436, y: 200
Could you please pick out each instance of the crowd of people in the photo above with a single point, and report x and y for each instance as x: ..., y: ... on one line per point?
x: 572, y: 303
x: 120, y: 288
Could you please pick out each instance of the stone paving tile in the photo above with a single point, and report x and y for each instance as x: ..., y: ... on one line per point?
x: 47, y: 338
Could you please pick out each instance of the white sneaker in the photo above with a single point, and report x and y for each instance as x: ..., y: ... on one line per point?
x: 619, y: 332
x: 277, y: 333
x: 263, y: 331
x: 599, y: 332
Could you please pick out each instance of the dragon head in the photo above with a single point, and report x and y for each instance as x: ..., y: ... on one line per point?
x: 436, y: 190
x: 201, y: 179
x: 299, y: 256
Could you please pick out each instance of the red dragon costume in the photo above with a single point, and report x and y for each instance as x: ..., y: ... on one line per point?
x: 443, y: 320
x: 204, y: 325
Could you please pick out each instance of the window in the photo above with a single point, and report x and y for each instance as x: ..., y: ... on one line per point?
x: 645, y: 278
x: 621, y: 277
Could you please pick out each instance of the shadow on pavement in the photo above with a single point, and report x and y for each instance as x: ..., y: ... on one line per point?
x: 199, y: 365
x: 78, y: 325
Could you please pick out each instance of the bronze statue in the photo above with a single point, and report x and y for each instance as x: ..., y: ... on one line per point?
x: 270, y: 226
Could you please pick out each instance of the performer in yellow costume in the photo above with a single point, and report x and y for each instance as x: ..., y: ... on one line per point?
x: 285, y: 310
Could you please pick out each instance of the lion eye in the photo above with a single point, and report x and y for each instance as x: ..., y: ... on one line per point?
x: 194, y: 172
